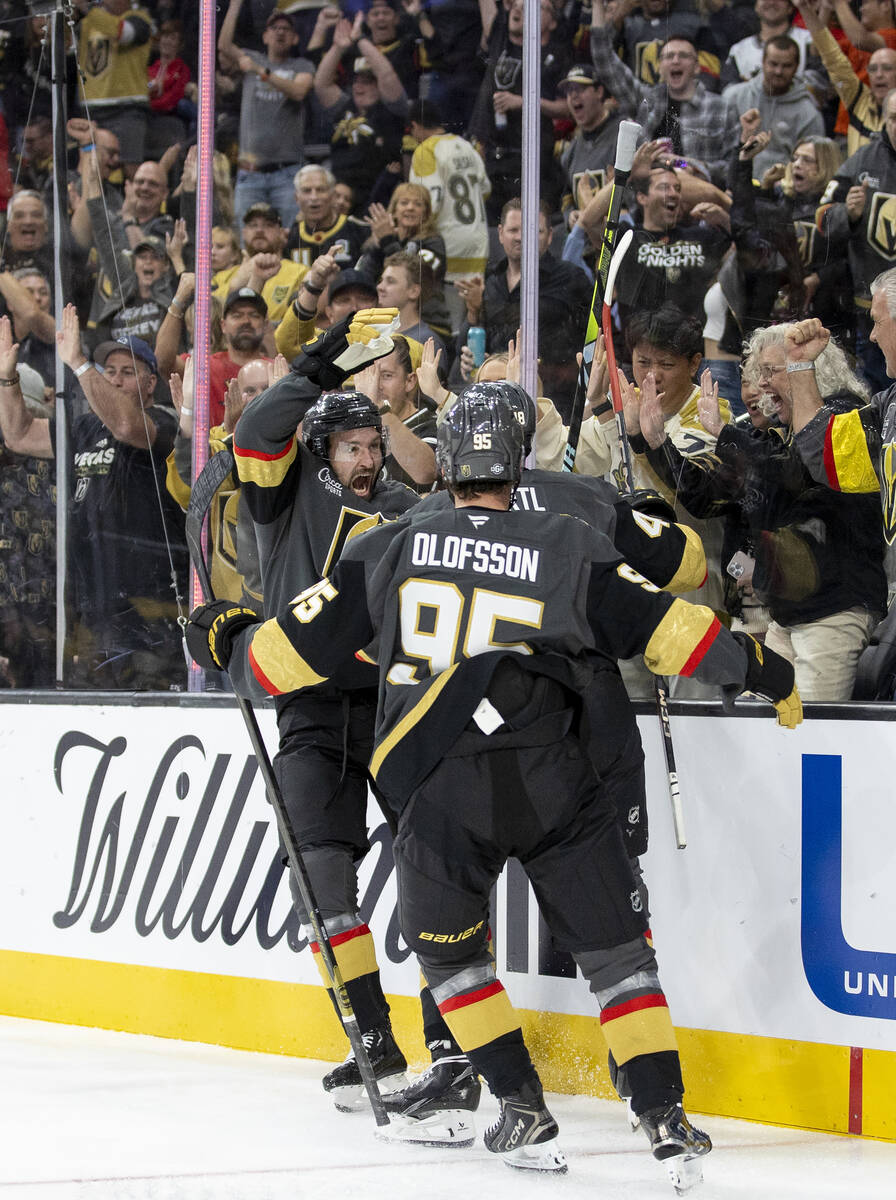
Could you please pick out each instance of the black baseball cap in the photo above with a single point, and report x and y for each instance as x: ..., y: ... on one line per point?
x: 246, y: 295
x: 150, y: 242
x: 261, y: 209
x: 349, y: 279
x: 583, y: 74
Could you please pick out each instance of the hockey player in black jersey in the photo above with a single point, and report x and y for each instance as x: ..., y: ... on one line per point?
x: 487, y: 621
x: 643, y: 529
x: 306, y: 496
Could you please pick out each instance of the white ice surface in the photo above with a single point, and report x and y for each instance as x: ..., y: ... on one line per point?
x: 90, y: 1115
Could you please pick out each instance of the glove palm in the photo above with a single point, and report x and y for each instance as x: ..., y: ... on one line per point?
x: 353, y: 343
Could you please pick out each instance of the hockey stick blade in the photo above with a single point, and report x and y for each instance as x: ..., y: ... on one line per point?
x: 213, y: 474
x: 615, y: 263
x: 626, y: 142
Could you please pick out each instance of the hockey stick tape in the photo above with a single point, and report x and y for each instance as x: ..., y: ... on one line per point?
x: 626, y: 142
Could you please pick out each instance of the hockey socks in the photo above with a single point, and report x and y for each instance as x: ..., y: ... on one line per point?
x: 440, y: 1041
x: 482, y: 1020
x: 638, y: 1029
x: 355, y: 956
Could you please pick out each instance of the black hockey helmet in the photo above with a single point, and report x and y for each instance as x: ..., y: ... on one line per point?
x: 517, y: 397
x: 480, y: 440
x: 336, y: 412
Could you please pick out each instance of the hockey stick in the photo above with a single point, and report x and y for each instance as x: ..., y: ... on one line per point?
x: 626, y: 141
x: 216, y: 470
x: 628, y: 477
x: 660, y: 686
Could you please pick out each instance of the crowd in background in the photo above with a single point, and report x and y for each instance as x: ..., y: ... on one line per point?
x: 370, y: 155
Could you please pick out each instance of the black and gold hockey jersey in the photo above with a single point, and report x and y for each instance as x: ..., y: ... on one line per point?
x: 343, y: 239
x: 668, y: 554
x: 303, y: 516
x: 450, y: 595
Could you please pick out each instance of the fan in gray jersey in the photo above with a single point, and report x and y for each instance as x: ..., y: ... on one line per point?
x: 487, y: 621
x: 592, y: 147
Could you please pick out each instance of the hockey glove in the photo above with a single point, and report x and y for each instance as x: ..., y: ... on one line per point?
x: 211, y: 629
x: 651, y: 503
x: 770, y: 676
x: 348, y: 346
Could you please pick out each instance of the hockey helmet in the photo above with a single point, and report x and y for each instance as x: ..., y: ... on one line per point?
x: 336, y: 412
x: 517, y: 397
x: 480, y: 440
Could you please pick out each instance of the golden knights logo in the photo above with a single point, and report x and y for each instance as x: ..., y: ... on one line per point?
x: 97, y: 58
x: 882, y: 225
x: 353, y: 130
x: 647, y: 61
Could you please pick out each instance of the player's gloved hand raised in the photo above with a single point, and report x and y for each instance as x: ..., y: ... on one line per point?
x: 651, y: 503
x: 211, y: 629
x: 770, y: 676
x: 346, y: 347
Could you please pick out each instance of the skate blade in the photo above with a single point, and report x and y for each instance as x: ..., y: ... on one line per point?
x: 543, y: 1156
x: 355, y: 1099
x: 451, y: 1128
x: 685, y: 1173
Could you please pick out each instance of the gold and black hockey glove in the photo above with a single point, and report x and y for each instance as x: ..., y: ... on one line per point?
x: 211, y: 629
x: 651, y: 503
x: 770, y: 676
x: 358, y: 340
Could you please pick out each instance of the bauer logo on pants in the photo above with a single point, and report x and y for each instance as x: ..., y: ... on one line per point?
x: 861, y: 983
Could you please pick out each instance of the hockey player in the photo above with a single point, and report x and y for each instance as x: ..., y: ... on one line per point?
x: 305, y: 498
x: 671, y: 556
x: 486, y: 620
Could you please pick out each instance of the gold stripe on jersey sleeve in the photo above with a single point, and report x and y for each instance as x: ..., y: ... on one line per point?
x: 274, y: 657
x: 849, y: 451
x: 678, y: 635
x: 692, y: 569
x: 264, y: 470
x: 409, y: 720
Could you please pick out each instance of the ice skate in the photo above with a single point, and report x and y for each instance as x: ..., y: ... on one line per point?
x: 435, y: 1109
x: 677, y: 1144
x: 525, y: 1133
x: 344, y: 1082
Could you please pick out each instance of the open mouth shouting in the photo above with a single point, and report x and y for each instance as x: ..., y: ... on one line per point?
x: 361, y: 482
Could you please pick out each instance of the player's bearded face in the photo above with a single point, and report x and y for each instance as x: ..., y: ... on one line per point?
x: 356, y: 457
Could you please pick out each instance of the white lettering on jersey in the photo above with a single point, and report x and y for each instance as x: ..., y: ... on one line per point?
x: 474, y: 554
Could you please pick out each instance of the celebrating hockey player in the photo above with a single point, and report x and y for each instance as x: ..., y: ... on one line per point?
x: 305, y: 498
x: 485, y: 619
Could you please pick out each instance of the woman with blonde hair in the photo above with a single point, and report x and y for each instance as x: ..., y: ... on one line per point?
x: 408, y: 224
x: 784, y: 268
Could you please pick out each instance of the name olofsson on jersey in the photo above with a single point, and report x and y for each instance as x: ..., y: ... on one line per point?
x: 475, y: 554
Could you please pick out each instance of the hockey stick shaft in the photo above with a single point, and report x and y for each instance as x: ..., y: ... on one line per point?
x: 660, y: 685
x: 213, y: 475
x: 626, y: 141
